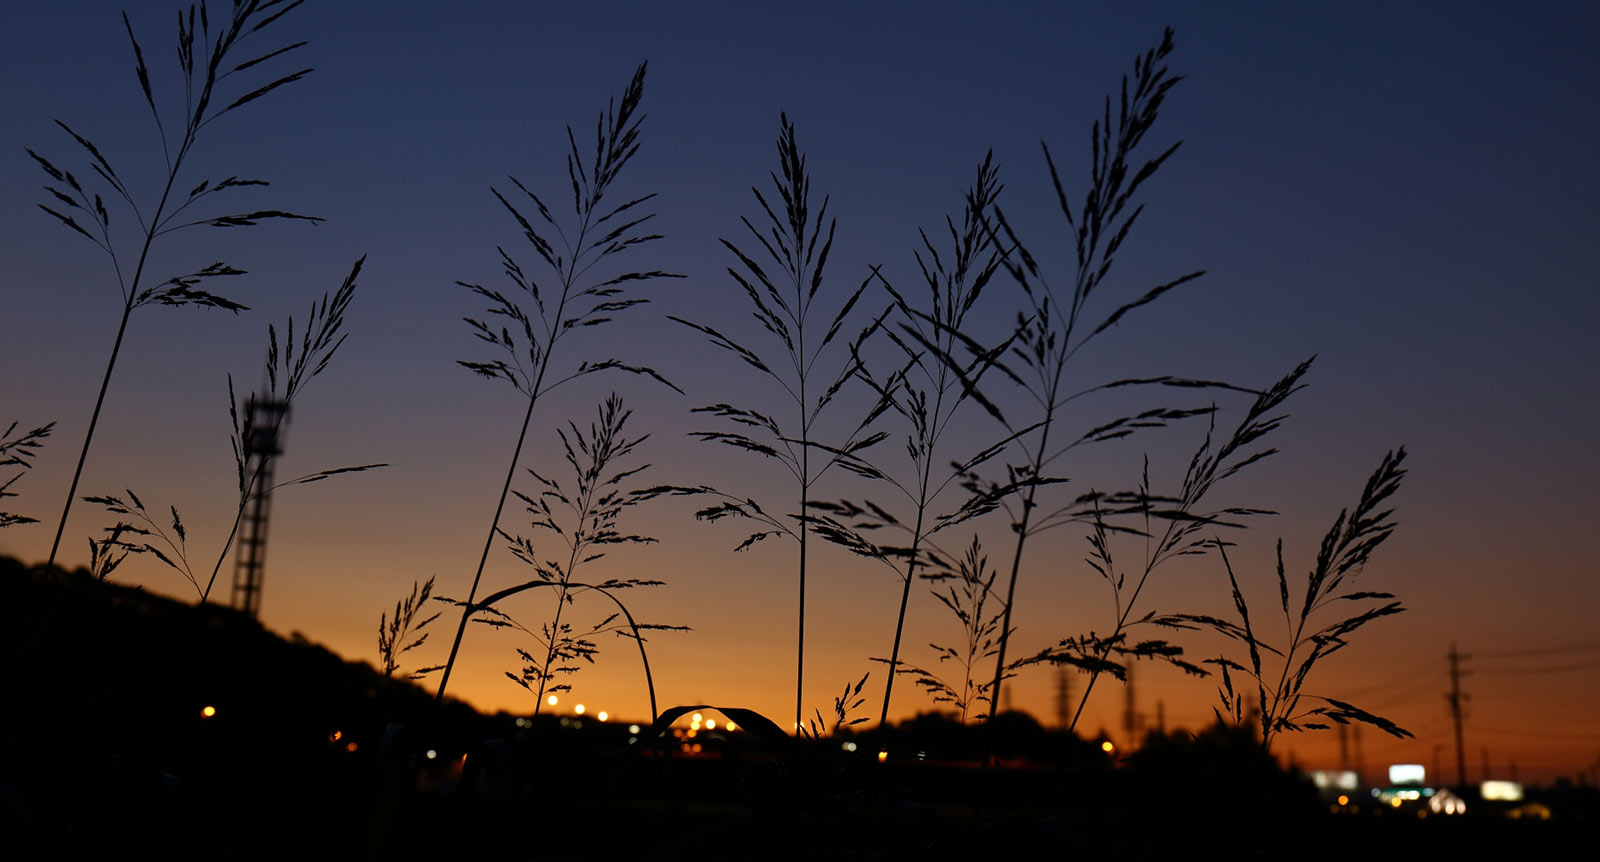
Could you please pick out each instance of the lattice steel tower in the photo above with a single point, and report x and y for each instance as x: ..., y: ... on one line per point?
x: 267, y: 419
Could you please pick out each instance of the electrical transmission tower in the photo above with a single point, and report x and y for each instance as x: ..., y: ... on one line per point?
x: 263, y: 444
x: 1455, y: 697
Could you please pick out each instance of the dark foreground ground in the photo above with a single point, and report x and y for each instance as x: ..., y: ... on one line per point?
x: 106, y: 752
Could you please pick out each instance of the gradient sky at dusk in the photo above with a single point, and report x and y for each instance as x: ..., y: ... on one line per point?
x: 1406, y: 190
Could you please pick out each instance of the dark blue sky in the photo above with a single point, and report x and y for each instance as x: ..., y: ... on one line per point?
x: 1406, y: 192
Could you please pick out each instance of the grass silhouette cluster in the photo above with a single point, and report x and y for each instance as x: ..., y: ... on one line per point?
x: 854, y: 363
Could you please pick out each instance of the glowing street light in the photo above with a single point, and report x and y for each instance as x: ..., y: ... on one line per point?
x: 602, y: 716
x: 552, y: 700
x: 208, y: 711
x: 578, y: 709
x: 1107, y: 747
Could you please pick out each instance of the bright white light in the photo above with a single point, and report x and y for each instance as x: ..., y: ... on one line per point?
x: 849, y: 746
x: 1407, y: 773
x: 711, y: 724
x: 1504, y: 791
x: 578, y: 709
x: 730, y: 727
x: 552, y: 700
x: 696, y: 718
x: 1342, y: 779
x: 208, y: 711
x: 602, y: 716
x: 633, y: 728
x: 1445, y: 802
x: 432, y: 755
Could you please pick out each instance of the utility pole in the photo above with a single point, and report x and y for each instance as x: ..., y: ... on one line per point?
x: 1130, y: 715
x: 1455, y: 698
x: 1361, y: 755
x: 1063, y: 698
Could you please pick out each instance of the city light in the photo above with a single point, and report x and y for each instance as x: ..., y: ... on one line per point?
x: 849, y: 746
x: 730, y: 727
x: 711, y: 724
x: 578, y: 709
x: 1407, y: 773
x: 602, y: 716
x: 552, y: 700
x: 633, y: 728
x: 1501, y: 791
x: 208, y: 711
x: 883, y: 756
x: 432, y: 755
x: 1107, y: 747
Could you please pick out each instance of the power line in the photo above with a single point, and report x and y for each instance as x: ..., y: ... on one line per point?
x: 1540, y: 734
x: 1427, y: 668
x: 1553, y: 668
x: 1581, y: 646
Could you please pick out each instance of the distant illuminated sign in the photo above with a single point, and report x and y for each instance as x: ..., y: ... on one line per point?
x: 1406, y: 773
x: 1341, y: 779
x: 1501, y: 791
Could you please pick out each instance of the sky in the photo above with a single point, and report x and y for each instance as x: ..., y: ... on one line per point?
x: 1404, y: 191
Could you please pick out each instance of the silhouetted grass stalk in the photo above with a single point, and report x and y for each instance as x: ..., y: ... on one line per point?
x: 594, y: 503
x: 1180, y: 537
x: 19, y: 452
x: 579, y: 303
x: 952, y: 292
x: 201, y: 80
x: 979, y: 627
x: 320, y: 339
x: 785, y: 313
x: 1044, y: 343
x: 1343, y: 556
